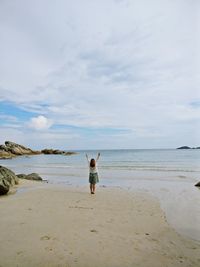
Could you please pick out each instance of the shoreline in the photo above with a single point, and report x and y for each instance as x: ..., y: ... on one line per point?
x: 52, y: 225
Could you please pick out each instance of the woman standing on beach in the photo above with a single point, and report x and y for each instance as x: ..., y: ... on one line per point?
x: 93, y: 173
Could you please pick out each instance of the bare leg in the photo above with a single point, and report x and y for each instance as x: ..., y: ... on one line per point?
x: 93, y: 188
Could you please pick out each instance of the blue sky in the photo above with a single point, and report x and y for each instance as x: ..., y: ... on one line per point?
x: 100, y: 74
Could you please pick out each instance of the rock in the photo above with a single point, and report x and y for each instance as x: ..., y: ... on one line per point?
x: 4, y: 186
x: 187, y: 147
x: 198, y: 184
x: 21, y: 176
x: 11, y: 149
x: 8, y: 175
x: 4, y: 148
x: 184, y: 147
x: 18, y: 149
x: 32, y: 176
x: 6, y: 155
x: 48, y: 151
x: 7, y: 179
x: 57, y: 151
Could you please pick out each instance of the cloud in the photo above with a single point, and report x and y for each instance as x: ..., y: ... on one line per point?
x: 40, y: 123
x: 102, y: 64
x: 8, y: 118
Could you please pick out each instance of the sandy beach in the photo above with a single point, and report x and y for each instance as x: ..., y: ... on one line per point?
x: 48, y: 225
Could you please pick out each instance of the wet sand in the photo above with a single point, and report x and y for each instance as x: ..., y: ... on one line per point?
x: 48, y: 225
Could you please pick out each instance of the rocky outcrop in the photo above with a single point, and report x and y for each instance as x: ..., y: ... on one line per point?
x: 5, y: 155
x: 184, y: 147
x: 11, y: 149
x: 187, y: 147
x: 48, y: 151
x: 7, y: 180
x: 32, y: 176
x: 198, y: 184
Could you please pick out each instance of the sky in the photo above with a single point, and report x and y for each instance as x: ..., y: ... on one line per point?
x: 100, y: 74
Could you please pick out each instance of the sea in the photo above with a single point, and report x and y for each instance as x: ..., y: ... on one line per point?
x: 167, y: 174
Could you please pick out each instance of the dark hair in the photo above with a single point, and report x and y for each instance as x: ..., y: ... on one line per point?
x: 92, y: 163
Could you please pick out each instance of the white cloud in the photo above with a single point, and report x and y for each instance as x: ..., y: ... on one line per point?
x: 8, y: 118
x: 40, y: 123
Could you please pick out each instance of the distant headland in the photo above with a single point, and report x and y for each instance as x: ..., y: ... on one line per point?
x: 187, y: 147
x: 11, y: 149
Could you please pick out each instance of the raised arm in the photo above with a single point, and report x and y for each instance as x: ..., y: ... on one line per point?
x: 98, y: 156
x: 87, y: 158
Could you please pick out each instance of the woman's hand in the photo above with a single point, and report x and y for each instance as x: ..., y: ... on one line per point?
x: 98, y: 156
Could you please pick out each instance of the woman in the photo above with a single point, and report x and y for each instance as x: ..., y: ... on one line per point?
x: 93, y: 173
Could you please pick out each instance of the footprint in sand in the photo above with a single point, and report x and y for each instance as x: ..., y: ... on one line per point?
x: 93, y: 231
x: 154, y: 240
x: 45, y: 237
x: 48, y: 249
x: 19, y: 252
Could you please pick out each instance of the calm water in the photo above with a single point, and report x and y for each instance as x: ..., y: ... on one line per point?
x: 169, y: 175
x: 113, y: 165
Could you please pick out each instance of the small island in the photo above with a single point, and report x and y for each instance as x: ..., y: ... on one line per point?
x: 187, y: 147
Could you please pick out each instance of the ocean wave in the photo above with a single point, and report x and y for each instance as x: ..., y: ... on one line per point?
x: 149, y: 168
x: 47, y: 166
